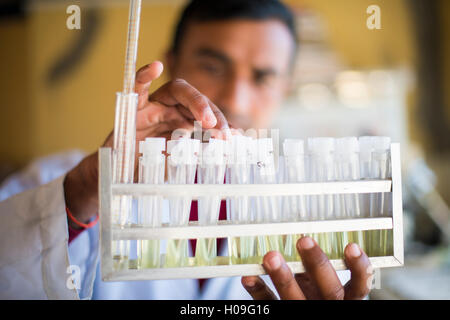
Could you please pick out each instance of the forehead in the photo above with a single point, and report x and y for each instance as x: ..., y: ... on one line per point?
x: 260, y: 43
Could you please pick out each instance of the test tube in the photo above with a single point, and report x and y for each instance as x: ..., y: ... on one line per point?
x: 322, y: 169
x: 123, y: 170
x: 348, y: 169
x: 379, y: 203
x: 239, y: 161
x: 182, y: 164
x: 211, y: 170
x: 365, y: 160
x: 267, y: 207
x: 124, y: 137
x: 365, y: 163
x: 151, y: 171
x: 294, y: 207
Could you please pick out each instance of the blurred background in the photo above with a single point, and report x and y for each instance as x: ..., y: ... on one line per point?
x: 58, y: 93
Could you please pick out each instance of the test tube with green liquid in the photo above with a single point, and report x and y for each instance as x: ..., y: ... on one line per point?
x: 151, y: 171
x: 211, y: 170
x: 182, y: 165
x: 294, y: 207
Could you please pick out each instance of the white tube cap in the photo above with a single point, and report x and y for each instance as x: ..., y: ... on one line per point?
x: 293, y: 147
x: 321, y: 145
x: 381, y: 143
x: 365, y: 143
x: 264, y: 148
x: 251, y: 150
x: 238, y: 149
x: 213, y: 152
x: 347, y: 145
x: 369, y: 143
x: 152, y: 146
x: 184, y: 150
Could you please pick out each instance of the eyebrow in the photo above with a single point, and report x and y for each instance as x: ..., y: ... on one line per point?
x: 265, y: 72
x: 211, y: 53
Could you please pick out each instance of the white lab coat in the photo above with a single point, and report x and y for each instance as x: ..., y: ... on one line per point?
x: 36, y: 261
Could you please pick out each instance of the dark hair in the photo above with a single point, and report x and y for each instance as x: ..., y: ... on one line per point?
x: 212, y: 10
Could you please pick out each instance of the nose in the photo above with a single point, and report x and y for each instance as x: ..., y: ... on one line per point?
x: 235, y: 100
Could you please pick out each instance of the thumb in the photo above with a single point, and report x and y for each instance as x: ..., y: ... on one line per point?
x: 144, y: 78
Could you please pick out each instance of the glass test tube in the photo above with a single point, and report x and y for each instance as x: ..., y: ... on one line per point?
x: 348, y: 169
x: 123, y: 170
x: 239, y: 160
x: 322, y: 169
x: 267, y: 207
x: 151, y: 171
x: 211, y: 170
x: 379, y: 202
x: 294, y: 207
x: 365, y: 164
x: 124, y: 138
x: 182, y: 164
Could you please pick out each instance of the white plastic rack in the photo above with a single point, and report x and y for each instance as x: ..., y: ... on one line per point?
x: 224, y: 229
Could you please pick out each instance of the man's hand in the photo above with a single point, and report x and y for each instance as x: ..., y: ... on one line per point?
x: 319, y: 281
x: 175, y: 105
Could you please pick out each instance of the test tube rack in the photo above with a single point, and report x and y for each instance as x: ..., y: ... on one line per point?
x: 224, y: 229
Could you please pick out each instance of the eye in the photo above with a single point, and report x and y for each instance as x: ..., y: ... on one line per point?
x: 262, y: 79
x: 212, y: 68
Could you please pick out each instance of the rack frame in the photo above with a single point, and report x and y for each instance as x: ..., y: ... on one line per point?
x: 109, y: 233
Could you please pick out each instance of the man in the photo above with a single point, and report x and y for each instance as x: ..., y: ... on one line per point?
x: 230, y: 63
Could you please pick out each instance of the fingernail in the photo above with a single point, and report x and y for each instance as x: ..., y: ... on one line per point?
x: 250, y: 283
x: 210, y: 117
x: 354, y: 251
x: 274, y: 262
x: 306, y: 243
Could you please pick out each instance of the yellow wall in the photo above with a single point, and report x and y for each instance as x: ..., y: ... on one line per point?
x: 15, y: 120
x: 355, y: 44
x: 445, y: 9
x: 78, y: 112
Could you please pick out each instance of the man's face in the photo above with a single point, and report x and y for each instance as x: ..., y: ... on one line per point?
x: 241, y: 65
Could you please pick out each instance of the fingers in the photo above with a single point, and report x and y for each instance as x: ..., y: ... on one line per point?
x: 361, y: 272
x: 320, y: 270
x: 144, y: 78
x: 257, y: 288
x: 179, y: 92
x: 308, y: 286
x: 282, y: 277
x: 222, y: 122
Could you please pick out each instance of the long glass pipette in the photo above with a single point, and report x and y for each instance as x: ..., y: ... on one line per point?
x: 125, y: 135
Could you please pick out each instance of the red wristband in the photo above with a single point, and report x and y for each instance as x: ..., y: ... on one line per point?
x: 78, y: 223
